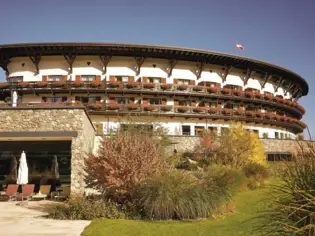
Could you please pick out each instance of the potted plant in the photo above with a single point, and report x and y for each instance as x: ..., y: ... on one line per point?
x: 24, y: 84
x: 131, y: 85
x: 149, y: 107
x: 96, y: 84
x: 240, y: 112
x: 183, y: 87
x: 268, y: 96
x: 199, y: 109
x: 132, y: 107
x: 238, y: 92
x: 258, y: 94
x: 182, y: 109
x: 166, y: 108
x: 41, y: 84
x: 77, y: 84
x: 270, y: 115
x: 213, y: 110
x: 166, y: 86
x: 149, y: 85
x: 198, y: 88
x: 112, y: 107
x: 260, y: 114
x: 250, y: 113
x: 212, y: 90
x: 114, y: 84
x: 249, y: 94
x: 227, y: 111
x: 226, y: 91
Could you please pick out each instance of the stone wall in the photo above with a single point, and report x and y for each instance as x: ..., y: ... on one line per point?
x: 56, y: 119
x: 187, y: 144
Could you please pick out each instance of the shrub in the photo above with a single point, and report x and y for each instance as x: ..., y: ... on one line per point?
x: 292, y: 201
x: 182, y: 195
x: 256, y: 174
x: 123, y: 161
x: 80, y: 208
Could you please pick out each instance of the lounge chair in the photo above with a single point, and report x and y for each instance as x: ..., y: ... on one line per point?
x: 44, y: 191
x: 64, y: 194
x: 27, y: 192
x: 10, y: 193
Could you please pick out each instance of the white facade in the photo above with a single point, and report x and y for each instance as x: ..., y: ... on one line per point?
x: 126, y: 66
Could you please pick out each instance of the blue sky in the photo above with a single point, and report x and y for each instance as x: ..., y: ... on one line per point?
x: 276, y: 31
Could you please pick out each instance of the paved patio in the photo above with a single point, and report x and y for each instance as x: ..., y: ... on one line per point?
x: 17, y: 221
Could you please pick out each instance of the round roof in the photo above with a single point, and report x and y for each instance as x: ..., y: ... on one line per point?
x: 8, y: 51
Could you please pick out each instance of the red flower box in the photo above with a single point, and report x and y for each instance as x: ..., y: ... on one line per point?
x: 278, y: 99
x: 260, y: 114
x: 166, y: 108
x: 250, y: 113
x: 95, y: 106
x: 96, y: 84
x: 240, y: 112
x: 199, y: 109
x: 249, y: 94
x: 182, y: 109
x: 58, y: 84
x: 258, y: 94
x: 238, y: 92
x: 270, y: 115
x: 131, y: 85
x: 77, y: 83
x: 41, y: 84
x: 149, y: 108
x: 113, y: 107
x: 268, y: 97
x: 114, y: 84
x: 132, y: 106
x: 226, y: 90
x: 166, y: 86
x: 183, y: 87
x: 149, y: 85
x: 24, y: 84
x: 213, y: 110
x: 198, y: 88
x: 212, y: 90
x: 227, y: 111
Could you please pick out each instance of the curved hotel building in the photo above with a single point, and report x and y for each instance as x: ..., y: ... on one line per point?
x: 184, y: 90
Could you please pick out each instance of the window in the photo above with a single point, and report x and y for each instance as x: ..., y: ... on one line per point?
x: 279, y: 157
x: 184, y: 103
x: 185, y: 130
x: 155, y: 80
x: 234, y: 106
x: 88, y: 99
x: 213, y: 104
x: 131, y: 127
x: 124, y: 79
x: 99, y: 128
x: 52, y: 78
x: 183, y: 81
x: 88, y: 77
x: 213, y: 130
x: 54, y: 99
x: 154, y: 101
x: 122, y: 100
x: 15, y: 79
x: 277, y: 135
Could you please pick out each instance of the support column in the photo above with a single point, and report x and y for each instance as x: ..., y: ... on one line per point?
x: 70, y: 58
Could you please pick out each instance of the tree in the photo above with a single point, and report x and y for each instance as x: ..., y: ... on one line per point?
x: 238, y: 146
x: 123, y: 161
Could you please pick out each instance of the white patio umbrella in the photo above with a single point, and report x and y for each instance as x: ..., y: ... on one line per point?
x: 23, y: 171
x: 14, y: 99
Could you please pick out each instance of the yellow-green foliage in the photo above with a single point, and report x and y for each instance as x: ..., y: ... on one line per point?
x: 238, y: 146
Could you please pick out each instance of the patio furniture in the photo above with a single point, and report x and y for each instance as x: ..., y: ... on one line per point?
x: 10, y: 193
x: 44, y: 191
x: 64, y: 194
x: 27, y: 192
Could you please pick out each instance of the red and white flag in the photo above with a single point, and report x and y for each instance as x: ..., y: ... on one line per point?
x: 240, y: 47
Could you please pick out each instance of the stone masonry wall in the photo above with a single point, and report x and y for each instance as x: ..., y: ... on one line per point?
x: 59, y: 119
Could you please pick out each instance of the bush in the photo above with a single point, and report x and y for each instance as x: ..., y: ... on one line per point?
x: 256, y: 174
x: 80, y: 208
x: 122, y: 162
x: 185, y: 195
x: 292, y: 201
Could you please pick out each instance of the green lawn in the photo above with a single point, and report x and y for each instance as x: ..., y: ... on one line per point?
x: 248, y: 204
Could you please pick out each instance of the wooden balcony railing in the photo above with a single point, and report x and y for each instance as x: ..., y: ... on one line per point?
x: 192, y: 90
x: 181, y: 111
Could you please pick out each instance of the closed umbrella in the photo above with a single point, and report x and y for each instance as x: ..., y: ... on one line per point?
x: 55, y: 167
x: 23, y: 170
x: 13, y: 169
x: 14, y: 99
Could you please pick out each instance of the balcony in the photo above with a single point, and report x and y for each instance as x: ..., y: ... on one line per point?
x: 180, y: 111
x: 152, y: 88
